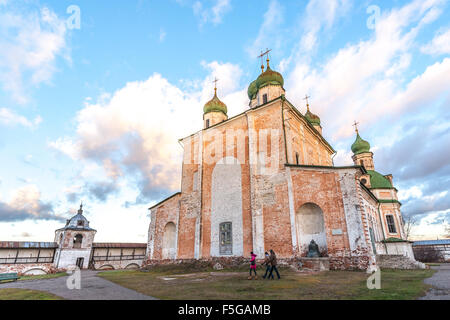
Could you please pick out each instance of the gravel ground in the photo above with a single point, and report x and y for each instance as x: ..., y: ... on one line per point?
x: 92, y: 288
x: 440, y: 282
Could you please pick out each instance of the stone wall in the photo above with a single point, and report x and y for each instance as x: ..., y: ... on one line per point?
x: 28, y: 268
x: 116, y: 265
x: 390, y: 261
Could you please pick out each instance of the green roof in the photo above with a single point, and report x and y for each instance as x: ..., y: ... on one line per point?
x: 252, y: 90
x: 388, y: 240
x: 360, y: 145
x: 312, y: 118
x: 215, y: 105
x: 269, y: 77
x: 378, y: 181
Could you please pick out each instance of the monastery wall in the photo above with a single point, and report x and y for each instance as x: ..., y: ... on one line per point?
x: 161, y: 217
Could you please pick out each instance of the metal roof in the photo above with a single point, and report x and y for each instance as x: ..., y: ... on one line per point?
x: 27, y: 245
x: 431, y: 242
x: 119, y: 245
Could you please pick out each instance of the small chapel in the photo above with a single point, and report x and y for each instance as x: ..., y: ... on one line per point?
x: 265, y: 179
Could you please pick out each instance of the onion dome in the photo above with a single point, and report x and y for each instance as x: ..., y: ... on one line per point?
x: 378, y: 181
x: 360, y: 145
x: 215, y: 105
x: 252, y: 90
x: 269, y: 77
x: 312, y: 118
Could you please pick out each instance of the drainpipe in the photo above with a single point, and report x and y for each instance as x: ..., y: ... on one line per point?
x: 284, y: 128
x: 200, y: 236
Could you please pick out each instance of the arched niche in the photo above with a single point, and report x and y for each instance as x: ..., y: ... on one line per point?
x: 169, y: 241
x: 310, y: 225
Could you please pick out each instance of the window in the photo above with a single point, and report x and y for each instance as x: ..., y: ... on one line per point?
x: 80, y: 223
x: 77, y: 241
x: 363, y: 181
x: 226, y: 240
x: 361, y: 163
x: 296, y: 157
x: 265, y: 98
x: 207, y: 123
x: 391, y: 224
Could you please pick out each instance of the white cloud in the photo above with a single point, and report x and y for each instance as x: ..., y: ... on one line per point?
x: 162, y: 35
x: 269, y: 34
x: 213, y: 14
x: 26, y: 204
x: 439, y: 45
x: 364, y: 80
x: 9, y: 117
x: 133, y: 134
x: 30, y: 43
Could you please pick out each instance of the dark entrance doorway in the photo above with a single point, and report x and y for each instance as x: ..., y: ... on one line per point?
x: 80, y: 262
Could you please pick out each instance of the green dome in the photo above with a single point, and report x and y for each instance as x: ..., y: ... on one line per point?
x: 215, y: 105
x: 378, y: 181
x: 312, y: 118
x: 360, y: 145
x: 269, y: 77
x: 252, y: 90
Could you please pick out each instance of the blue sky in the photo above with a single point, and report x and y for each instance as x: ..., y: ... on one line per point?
x: 94, y: 113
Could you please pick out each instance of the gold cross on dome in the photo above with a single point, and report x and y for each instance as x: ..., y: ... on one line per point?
x: 306, y: 98
x: 307, y: 101
x: 215, y: 84
x: 356, y: 126
x: 262, y: 55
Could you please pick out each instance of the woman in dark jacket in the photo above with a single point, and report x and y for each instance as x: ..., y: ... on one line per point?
x: 273, y: 263
x: 267, y: 264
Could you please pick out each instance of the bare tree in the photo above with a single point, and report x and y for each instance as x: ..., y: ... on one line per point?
x: 447, y: 231
x: 409, y: 223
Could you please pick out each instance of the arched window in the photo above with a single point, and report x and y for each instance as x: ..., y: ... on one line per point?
x: 77, y: 241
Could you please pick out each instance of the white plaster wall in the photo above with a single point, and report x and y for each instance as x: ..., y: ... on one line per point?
x: 403, y: 248
x: 69, y: 257
x: 355, y: 227
x: 226, y: 204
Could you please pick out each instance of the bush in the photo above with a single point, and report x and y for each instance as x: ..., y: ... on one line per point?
x: 428, y: 254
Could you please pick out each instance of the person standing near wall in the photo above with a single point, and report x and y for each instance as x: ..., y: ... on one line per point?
x: 273, y: 263
x: 253, y: 266
x: 267, y: 264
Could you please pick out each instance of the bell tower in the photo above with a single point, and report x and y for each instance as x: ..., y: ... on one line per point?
x: 74, y: 241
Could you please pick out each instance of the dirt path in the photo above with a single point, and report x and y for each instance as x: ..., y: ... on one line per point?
x: 92, y: 288
x: 440, y: 282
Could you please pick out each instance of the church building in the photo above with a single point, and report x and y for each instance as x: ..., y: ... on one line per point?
x: 265, y: 179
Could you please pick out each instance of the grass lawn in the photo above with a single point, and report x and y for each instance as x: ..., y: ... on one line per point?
x: 172, y: 282
x: 43, y: 276
x: 25, y: 294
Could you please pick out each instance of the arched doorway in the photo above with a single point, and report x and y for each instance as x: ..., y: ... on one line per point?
x: 169, y: 241
x: 310, y: 225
